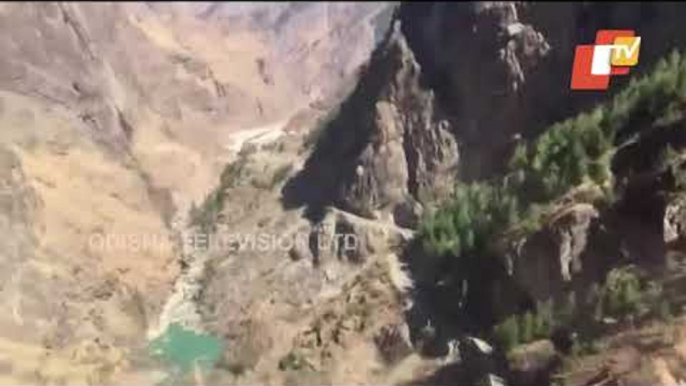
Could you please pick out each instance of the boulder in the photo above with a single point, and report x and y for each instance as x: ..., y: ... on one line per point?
x: 531, y: 364
x: 546, y: 262
x: 346, y: 237
x: 407, y: 214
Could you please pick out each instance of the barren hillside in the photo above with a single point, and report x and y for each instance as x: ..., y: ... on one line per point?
x: 114, y: 118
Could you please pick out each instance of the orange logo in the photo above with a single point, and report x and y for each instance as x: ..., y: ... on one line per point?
x: 614, y: 53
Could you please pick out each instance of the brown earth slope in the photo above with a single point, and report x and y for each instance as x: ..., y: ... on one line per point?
x: 113, y: 118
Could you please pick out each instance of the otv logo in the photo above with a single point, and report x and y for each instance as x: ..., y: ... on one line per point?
x: 614, y: 53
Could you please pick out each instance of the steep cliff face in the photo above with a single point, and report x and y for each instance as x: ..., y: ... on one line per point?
x: 388, y: 144
x: 484, y: 75
x: 447, y: 76
x: 479, y: 58
x: 502, y: 69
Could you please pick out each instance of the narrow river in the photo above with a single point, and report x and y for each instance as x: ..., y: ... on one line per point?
x: 179, y: 335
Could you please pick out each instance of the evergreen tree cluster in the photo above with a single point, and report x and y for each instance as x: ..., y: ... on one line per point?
x: 624, y: 295
x: 524, y: 328
x: 579, y: 149
x: 567, y: 154
x: 464, y: 224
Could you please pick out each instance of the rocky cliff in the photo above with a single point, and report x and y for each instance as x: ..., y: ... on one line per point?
x: 462, y: 79
x: 447, y: 97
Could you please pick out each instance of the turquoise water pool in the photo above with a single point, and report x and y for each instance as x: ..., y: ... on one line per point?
x: 186, y: 351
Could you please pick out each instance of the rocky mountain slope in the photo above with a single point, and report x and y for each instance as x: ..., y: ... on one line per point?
x: 556, y: 202
x: 499, y: 75
x: 459, y: 215
x: 115, y: 118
